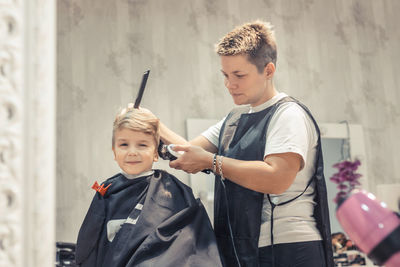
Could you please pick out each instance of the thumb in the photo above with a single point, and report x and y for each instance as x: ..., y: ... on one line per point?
x: 183, y: 148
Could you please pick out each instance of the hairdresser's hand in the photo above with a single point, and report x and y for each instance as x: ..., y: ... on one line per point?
x: 166, y: 135
x: 130, y: 106
x: 193, y: 160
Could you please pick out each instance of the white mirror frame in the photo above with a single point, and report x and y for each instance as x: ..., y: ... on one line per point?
x: 356, y: 139
x: 27, y: 133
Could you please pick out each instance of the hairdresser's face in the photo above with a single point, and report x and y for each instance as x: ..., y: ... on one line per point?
x: 245, y: 84
x: 134, y: 151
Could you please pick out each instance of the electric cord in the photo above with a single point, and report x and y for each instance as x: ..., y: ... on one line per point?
x: 229, y: 222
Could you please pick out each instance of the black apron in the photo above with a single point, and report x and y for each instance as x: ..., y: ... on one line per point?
x: 165, y: 225
x: 243, y: 137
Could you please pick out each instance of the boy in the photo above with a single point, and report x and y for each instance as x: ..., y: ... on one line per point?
x: 141, y: 216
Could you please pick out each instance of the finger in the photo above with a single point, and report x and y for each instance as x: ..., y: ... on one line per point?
x: 144, y: 109
x: 183, y: 148
x: 174, y: 164
x: 130, y: 105
x: 196, y: 171
x: 123, y: 111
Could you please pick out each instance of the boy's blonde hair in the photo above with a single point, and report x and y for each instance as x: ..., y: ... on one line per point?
x: 256, y: 40
x: 137, y: 120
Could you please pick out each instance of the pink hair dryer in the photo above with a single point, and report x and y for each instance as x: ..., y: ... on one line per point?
x: 372, y: 226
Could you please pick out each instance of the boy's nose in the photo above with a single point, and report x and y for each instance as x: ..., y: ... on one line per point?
x: 132, y: 152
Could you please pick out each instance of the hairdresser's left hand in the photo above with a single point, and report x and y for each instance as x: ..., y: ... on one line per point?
x: 130, y: 106
x: 193, y: 160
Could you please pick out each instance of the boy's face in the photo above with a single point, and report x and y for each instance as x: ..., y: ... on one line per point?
x: 134, y: 151
x: 245, y: 84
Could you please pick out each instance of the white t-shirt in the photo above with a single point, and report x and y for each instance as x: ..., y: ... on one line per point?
x: 290, y: 130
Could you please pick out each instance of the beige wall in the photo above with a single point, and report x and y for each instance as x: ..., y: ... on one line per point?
x: 339, y: 57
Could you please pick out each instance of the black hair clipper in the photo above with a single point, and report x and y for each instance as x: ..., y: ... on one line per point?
x: 165, y: 152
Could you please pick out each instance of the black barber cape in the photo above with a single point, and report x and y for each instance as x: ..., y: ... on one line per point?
x: 148, y: 221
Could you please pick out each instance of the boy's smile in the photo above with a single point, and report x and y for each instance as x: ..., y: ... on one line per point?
x: 134, y: 151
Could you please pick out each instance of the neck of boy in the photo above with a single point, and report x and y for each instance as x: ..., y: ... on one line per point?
x: 134, y: 176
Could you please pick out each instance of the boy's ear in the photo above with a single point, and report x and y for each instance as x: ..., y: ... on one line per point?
x: 113, y: 149
x: 155, y: 156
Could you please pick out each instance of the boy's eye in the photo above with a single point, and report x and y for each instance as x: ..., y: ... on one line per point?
x: 240, y: 75
x: 143, y: 145
x: 123, y: 144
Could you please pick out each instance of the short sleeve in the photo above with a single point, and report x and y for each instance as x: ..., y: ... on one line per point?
x: 290, y: 130
x: 212, y: 133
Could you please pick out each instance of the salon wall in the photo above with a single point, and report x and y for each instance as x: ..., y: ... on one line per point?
x: 339, y: 57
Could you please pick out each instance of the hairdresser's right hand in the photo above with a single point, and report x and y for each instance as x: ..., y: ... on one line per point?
x: 193, y: 160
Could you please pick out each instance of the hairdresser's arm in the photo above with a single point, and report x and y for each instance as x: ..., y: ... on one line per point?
x: 274, y: 175
x: 170, y: 137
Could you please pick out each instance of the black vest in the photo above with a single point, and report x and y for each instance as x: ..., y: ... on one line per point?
x: 243, y: 137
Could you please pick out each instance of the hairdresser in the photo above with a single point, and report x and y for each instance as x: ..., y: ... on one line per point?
x: 270, y: 194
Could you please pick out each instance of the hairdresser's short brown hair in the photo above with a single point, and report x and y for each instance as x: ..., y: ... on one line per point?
x: 137, y: 120
x: 256, y: 40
